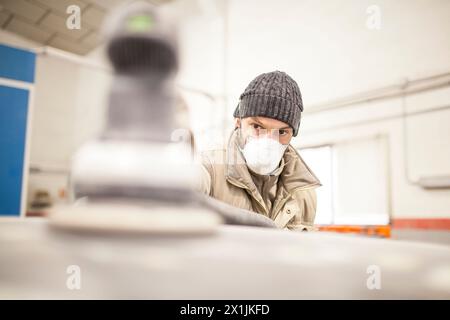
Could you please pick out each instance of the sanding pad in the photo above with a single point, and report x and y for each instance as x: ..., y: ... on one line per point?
x: 129, y: 218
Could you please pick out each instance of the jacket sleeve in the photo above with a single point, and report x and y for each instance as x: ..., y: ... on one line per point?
x: 206, y: 175
x: 304, y: 219
x: 205, y: 181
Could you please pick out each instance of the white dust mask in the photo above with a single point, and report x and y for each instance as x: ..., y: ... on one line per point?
x: 263, y: 155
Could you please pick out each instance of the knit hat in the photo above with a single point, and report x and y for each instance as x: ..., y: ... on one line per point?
x: 273, y: 95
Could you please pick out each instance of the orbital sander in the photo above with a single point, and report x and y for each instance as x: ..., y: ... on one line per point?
x: 134, y: 177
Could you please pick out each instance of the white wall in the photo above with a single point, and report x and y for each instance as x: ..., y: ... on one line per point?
x: 69, y: 109
x: 326, y: 46
x: 202, y: 67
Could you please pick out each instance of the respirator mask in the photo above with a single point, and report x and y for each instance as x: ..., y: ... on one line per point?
x: 261, y: 149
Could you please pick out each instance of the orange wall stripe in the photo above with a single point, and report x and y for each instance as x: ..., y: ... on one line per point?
x: 428, y: 224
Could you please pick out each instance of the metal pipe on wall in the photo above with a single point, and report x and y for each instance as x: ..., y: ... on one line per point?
x: 407, y: 87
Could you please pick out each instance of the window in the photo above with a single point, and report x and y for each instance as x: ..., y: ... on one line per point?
x: 354, y: 176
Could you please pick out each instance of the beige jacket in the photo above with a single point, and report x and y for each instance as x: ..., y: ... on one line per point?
x: 227, y: 178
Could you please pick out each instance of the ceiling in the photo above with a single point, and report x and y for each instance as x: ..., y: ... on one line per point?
x: 44, y: 21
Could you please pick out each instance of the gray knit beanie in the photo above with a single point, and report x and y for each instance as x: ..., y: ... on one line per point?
x: 274, y: 95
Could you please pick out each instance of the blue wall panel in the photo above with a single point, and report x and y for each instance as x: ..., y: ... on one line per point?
x: 17, y: 64
x: 13, y: 126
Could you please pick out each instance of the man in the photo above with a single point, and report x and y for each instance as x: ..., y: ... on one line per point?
x: 259, y: 170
